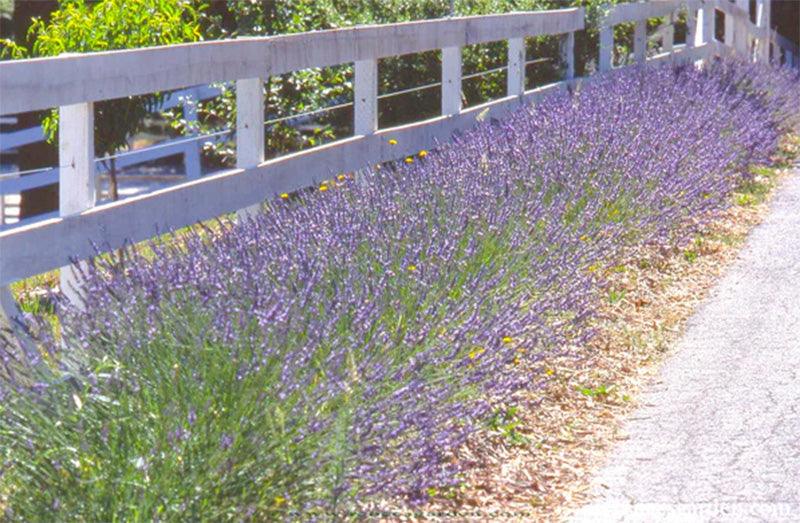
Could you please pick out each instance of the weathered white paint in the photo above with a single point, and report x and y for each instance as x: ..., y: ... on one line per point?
x: 699, y: 30
x: 737, y: 13
x: 366, y: 97
x: 191, y: 161
x: 708, y: 22
x: 668, y: 34
x: 631, y: 12
x: 191, y: 158
x: 76, y: 156
x: 41, y: 83
x: 691, y: 27
x: 741, y: 36
x: 729, y: 26
x: 451, y: 80
x: 139, y: 217
x: 606, y: 47
x: 188, y: 147
x: 249, y: 130
x: 568, y: 55
x: 640, y: 41
x: 682, y: 54
x: 14, y: 139
x: 763, y: 20
x: 76, y: 188
x: 740, y: 30
x: 516, y: 67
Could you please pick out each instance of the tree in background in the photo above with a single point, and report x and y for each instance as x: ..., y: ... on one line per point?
x: 79, y: 26
x: 310, y: 90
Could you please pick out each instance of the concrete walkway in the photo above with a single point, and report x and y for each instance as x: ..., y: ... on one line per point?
x: 718, y: 436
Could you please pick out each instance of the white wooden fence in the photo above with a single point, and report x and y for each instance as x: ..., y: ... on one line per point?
x: 188, y: 147
x: 73, y: 83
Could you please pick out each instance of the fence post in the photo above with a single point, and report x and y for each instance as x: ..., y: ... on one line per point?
x: 728, y: 40
x: 76, y: 184
x: 451, y: 80
x: 640, y: 41
x: 691, y: 26
x: 668, y: 36
x: 249, y: 130
x: 606, y: 46
x: 191, y: 156
x: 515, y: 84
x: 763, y: 15
x: 709, y: 14
x: 741, y: 39
x: 365, y: 97
x: 568, y: 55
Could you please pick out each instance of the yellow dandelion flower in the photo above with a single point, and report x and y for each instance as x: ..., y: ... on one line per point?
x: 279, y: 501
x: 341, y: 177
x: 477, y: 351
x: 409, y: 160
x: 584, y: 238
x: 516, y: 360
x: 549, y: 372
x: 423, y: 153
x: 412, y: 268
x: 507, y: 339
x: 323, y: 188
x: 392, y: 141
x: 285, y: 196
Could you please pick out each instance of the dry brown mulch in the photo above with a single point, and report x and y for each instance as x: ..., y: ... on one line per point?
x: 540, y: 468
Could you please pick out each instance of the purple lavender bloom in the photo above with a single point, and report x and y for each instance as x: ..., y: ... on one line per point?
x: 350, y: 341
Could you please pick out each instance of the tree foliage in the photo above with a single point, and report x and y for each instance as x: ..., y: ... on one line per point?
x: 312, y: 89
x: 115, y: 24
x: 79, y: 26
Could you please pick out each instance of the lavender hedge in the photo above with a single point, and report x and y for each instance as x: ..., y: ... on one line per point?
x: 346, y: 341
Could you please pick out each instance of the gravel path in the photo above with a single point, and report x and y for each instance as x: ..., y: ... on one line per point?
x: 718, y: 435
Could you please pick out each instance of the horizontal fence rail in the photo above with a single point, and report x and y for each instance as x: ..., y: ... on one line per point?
x: 74, y: 82
x: 42, y: 83
x: 188, y: 146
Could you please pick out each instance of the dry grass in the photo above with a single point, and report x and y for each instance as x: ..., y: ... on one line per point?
x: 537, y: 464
